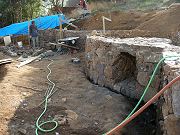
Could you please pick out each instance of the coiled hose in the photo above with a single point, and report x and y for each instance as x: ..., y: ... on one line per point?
x: 49, y: 93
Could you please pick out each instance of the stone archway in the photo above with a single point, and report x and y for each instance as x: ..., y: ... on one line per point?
x: 123, y: 67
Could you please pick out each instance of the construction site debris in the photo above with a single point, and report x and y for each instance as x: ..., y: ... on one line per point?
x: 63, y: 45
x: 5, y: 61
x: 27, y: 61
x: 64, y: 99
x: 22, y: 131
x: 38, y: 52
x: 48, y: 53
x: 9, y: 50
x: 75, y: 60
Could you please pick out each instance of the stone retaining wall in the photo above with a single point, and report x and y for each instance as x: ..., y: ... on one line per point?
x: 171, y: 105
x: 125, y: 65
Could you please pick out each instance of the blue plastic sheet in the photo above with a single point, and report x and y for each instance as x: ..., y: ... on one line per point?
x: 42, y: 23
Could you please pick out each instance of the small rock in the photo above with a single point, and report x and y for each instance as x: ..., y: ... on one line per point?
x: 49, y: 53
x: 24, y: 94
x: 94, y: 33
x: 64, y: 99
x: 21, y: 101
x: 71, y: 115
x: 24, y: 55
x: 62, y: 122
x: 13, y: 126
x: 75, y: 60
x: 96, y: 123
x: 38, y: 52
x: 49, y: 100
x: 25, y: 104
x: 57, y: 133
x: 58, y: 117
x: 22, y: 131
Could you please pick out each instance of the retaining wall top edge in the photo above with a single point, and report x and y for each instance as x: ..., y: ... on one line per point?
x: 161, y: 43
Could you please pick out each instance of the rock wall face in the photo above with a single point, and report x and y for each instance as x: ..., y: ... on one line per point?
x: 171, y: 105
x: 124, y: 65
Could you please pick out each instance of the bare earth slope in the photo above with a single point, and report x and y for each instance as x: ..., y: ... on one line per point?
x: 167, y: 20
x: 164, y: 21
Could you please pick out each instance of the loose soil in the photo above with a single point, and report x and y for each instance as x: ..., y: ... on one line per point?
x: 92, y: 110
x: 163, y: 21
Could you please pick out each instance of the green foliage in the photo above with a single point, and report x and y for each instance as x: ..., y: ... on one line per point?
x: 126, y: 5
x: 18, y: 10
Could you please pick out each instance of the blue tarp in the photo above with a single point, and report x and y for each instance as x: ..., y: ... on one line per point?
x: 42, y: 23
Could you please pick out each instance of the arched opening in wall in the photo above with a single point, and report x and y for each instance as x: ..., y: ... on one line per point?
x: 124, y: 71
x: 124, y: 74
x: 123, y: 67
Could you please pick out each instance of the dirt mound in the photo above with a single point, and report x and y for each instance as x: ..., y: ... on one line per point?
x: 164, y: 21
x: 167, y: 20
x: 120, y: 20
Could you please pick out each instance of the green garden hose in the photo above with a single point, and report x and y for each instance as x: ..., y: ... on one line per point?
x: 39, y: 126
x: 50, y: 91
x: 146, y: 89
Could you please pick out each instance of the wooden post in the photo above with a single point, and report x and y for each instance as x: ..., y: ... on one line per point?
x: 29, y: 40
x: 61, y: 34
x: 104, y: 27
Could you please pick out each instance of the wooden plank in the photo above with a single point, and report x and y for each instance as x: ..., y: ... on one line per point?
x: 29, y: 60
x: 69, y: 24
x: 5, y: 61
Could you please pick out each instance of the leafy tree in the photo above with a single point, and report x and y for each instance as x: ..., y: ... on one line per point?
x: 13, y: 11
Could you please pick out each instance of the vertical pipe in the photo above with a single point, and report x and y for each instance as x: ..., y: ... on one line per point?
x: 104, y: 27
x: 29, y: 40
x: 60, y: 28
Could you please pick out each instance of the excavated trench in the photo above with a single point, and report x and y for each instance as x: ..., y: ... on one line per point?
x: 124, y: 72
x: 125, y: 66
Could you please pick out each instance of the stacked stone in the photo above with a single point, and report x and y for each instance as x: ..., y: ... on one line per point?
x: 124, y: 65
x: 46, y: 36
x: 171, y: 105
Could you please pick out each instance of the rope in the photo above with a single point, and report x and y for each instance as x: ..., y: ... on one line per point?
x: 48, y: 94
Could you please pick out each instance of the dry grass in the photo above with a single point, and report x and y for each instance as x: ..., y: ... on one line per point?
x: 99, y: 6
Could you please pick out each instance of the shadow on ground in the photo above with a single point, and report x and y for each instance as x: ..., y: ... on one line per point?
x: 3, y: 72
x: 23, y: 122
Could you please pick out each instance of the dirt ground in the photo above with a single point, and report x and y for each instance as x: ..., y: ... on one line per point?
x: 89, y: 109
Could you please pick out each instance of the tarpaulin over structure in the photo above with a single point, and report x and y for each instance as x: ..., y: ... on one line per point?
x: 42, y: 23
